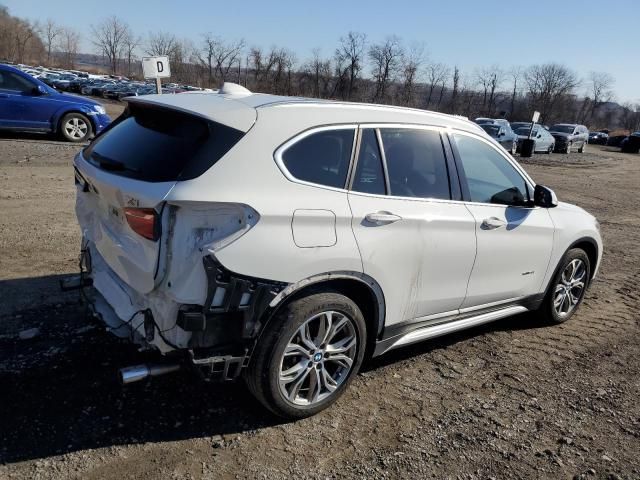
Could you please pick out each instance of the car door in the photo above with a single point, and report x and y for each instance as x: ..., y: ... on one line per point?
x: 514, y: 238
x: 22, y: 104
x: 414, y: 240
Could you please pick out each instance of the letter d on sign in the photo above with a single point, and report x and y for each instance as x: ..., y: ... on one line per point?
x: 160, y: 67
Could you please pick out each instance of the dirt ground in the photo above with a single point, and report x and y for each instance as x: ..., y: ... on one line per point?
x: 513, y: 399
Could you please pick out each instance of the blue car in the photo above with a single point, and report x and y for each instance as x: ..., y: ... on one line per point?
x: 27, y: 104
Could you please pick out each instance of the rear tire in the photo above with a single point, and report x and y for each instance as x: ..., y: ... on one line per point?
x: 298, y: 367
x: 567, y: 288
x: 75, y: 127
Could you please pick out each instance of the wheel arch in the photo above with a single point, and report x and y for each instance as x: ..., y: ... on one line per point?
x: 59, y: 115
x: 359, y: 287
x: 590, y: 247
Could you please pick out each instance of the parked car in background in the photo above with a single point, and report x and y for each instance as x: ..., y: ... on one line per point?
x: 569, y: 136
x: 631, y: 144
x: 598, y: 138
x: 27, y: 104
x: 543, y: 140
x: 481, y: 120
x: 517, y: 125
x: 502, y: 134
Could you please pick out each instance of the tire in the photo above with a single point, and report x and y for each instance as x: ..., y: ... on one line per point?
x: 550, y: 149
x: 559, y: 287
x: 568, y: 149
x: 75, y: 127
x: 514, y: 148
x: 276, y: 355
x: 583, y: 147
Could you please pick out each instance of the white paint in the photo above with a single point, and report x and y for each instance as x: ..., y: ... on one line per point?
x: 156, y: 67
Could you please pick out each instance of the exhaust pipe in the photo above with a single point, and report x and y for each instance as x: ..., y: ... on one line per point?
x: 140, y: 372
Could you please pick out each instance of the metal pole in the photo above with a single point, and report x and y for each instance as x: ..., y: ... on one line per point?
x: 159, y: 86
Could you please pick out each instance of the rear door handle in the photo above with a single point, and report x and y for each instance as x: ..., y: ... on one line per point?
x: 492, y: 223
x: 382, y: 218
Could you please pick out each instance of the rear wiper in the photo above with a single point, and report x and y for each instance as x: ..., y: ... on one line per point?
x: 113, y: 165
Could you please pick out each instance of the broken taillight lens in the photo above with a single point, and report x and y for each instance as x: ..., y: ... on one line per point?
x: 144, y: 221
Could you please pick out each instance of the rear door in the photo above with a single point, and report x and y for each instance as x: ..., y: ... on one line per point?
x: 15, y: 96
x: 127, y: 172
x: 514, y: 239
x: 416, y: 242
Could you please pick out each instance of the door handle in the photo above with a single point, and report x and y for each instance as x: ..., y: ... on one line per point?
x: 492, y: 223
x: 382, y: 218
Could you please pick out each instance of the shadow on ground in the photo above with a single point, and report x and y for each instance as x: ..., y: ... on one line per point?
x: 60, y: 392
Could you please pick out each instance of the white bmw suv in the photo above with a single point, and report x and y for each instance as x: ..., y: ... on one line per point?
x: 283, y: 240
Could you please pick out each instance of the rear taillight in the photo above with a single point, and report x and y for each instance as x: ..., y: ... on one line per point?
x: 144, y: 221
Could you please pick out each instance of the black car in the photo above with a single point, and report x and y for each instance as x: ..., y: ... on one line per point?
x: 598, y: 138
x: 631, y: 144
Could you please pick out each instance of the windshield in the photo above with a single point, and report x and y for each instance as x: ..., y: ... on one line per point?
x: 525, y: 131
x: 563, y: 128
x: 491, y: 129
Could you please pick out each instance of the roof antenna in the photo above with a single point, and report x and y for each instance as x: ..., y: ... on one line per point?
x: 230, y: 88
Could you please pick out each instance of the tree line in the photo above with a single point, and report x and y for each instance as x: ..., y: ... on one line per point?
x: 387, y: 71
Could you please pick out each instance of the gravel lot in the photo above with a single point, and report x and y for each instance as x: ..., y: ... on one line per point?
x: 514, y: 399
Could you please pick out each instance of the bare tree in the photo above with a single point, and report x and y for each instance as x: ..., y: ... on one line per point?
x: 129, y: 45
x: 385, y: 58
x: 601, y: 89
x: 219, y: 56
x: 109, y: 37
x: 549, y: 86
x: 436, y: 74
x: 350, y: 54
x: 453, y: 102
x: 490, y: 79
x: 68, y: 46
x: 161, y: 44
x: 50, y: 32
x: 319, y: 71
x: 410, y: 72
x: 515, y: 74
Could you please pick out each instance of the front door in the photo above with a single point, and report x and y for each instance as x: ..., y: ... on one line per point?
x: 514, y: 238
x: 416, y: 242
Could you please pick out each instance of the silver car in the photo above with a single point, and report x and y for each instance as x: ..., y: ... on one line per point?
x: 543, y: 140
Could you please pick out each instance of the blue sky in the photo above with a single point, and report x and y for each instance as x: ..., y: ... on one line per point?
x: 585, y: 35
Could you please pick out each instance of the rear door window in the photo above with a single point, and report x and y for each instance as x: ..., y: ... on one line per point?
x: 416, y: 163
x: 160, y: 145
x: 322, y: 157
x: 369, y: 176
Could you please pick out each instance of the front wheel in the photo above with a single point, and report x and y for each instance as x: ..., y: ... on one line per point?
x: 568, y: 149
x: 311, y: 351
x: 567, y: 288
x: 75, y: 127
x: 582, y: 148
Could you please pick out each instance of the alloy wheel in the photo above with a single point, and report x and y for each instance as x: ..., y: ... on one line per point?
x: 318, y: 358
x: 570, y: 287
x: 76, y: 128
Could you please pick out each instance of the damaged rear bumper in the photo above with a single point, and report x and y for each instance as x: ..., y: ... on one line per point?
x: 216, y: 337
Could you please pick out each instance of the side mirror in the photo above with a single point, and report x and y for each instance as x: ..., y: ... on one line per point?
x: 38, y: 90
x: 544, y: 197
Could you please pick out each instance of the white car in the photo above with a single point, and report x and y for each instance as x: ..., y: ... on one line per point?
x: 285, y: 239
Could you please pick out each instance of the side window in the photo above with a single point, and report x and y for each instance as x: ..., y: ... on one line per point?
x: 416, y: 163
x: 11, y: 81
x: 322, y: 157
x: 369, y: 177
x: 490, y: 177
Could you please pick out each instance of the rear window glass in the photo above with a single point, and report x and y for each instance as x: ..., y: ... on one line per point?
x: 160, y: 145
x: 321, y: 158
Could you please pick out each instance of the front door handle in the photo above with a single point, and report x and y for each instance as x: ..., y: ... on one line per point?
x: 492, y: 223
x: 382, y: 218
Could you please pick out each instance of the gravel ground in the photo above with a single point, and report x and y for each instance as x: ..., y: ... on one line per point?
x: 513, y: 399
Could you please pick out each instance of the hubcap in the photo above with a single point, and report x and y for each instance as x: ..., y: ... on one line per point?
x: 76, y: 127
x: 318, y: 358
x: 569, y: 289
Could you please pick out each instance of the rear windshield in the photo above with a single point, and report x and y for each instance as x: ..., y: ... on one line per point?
x: 160, y: 145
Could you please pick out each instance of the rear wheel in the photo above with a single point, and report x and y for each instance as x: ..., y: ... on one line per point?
x: 75, y: 127
x: 308, y: 356
x: 567, y: 288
